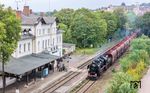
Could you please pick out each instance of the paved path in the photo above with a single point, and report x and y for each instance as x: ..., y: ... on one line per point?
x: 145, y: 83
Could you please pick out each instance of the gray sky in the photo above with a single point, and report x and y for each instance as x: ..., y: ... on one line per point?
x: 46, y: 5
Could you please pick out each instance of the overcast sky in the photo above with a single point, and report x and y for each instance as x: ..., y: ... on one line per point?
x: 46, y: 5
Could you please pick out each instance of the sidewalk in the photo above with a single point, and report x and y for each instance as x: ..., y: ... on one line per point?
x: 145, y: 83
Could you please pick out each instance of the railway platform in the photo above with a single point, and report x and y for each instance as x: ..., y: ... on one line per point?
x: 74, y: 62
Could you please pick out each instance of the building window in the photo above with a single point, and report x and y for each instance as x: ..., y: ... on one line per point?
x: 28, y: 46
x: 24, y: 47
x: 43, y: 44
x: 59, y: 38
x: 53, y: 41
x: 48, y: 30
x: 43, y: 31
x: 48, y: 42
x: 38, y: 45
x: 39, y: 31
x: 20, y: 48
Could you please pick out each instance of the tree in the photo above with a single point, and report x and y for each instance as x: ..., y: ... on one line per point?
x: 131, y: 17
x: 9, y: 35
x: 65, y: 16
x: 66, y: 33
x: 87, y: 29
x: 111, y: 20
x: 121, y: 17
x: 120, y: 84
x: 123, y: 4
x: 144, y: 23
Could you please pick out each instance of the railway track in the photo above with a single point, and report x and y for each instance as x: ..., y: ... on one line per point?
x: 69, y: 76
x: 85, y: 64
x: 55, y: 85
x: 84, y: 87
x: 66, y: 78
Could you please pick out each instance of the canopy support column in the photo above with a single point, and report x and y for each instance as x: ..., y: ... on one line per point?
x: 17, y: 84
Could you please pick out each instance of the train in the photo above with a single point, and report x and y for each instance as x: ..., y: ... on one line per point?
x: 102, y: 62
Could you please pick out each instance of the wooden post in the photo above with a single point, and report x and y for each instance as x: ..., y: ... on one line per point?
x: 27, y: 79
x: 17, y: 84
x: 34, y: 75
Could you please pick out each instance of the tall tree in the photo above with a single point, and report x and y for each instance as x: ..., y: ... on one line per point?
x: 111, y: 20
x: 65, y: 16
x: 9, y: 35
x: 144, y: 23
x: 66, y: 33
x: 121, y: 17
x: 87, y: 29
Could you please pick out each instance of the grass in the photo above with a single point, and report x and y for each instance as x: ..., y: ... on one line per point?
x: 86, y: 51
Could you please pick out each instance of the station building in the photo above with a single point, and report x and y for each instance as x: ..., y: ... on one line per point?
x: 37, y: 52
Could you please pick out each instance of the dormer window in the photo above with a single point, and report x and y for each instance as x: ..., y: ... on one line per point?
x: 29, y: 30
x: 26, y: 31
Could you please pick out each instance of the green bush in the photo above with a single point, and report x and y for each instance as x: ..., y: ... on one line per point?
x: 132, y: 66
x: 120, y: 84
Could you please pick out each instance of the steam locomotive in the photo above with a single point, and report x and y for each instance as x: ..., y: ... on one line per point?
x: 103, y: 62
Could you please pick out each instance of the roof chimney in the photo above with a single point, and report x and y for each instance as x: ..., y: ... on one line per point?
x: 30, y: 11
x: 41, y: 13
x: 26, y: 10
x: 18, y: 14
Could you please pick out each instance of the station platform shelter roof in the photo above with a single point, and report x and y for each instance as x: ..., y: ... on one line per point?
x: 19, y: 66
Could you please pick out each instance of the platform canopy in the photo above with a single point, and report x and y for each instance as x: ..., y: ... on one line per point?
x: 19, y: 66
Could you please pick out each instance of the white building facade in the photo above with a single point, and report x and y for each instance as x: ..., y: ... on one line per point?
x: 39, y: 34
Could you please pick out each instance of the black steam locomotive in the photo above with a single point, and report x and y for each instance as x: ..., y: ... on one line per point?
x: 103, y: 62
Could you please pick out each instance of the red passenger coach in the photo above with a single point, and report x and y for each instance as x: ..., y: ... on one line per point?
x: 116, y: 51
x: 102, y: 62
